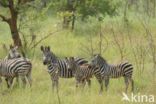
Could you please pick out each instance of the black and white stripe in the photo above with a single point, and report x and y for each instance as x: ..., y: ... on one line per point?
x: 53, y: 71
x: 49, y: 57
x: 106, y: 71
x: 10, y: 68
x: 82, y: 73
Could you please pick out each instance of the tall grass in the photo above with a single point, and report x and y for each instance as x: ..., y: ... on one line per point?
x: 67, y: 43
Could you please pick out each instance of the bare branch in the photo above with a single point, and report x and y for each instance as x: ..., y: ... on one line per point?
x: 44, y: 38
x: 4, y: 18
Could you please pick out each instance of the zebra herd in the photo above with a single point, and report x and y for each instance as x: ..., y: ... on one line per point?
x: 14, y: 65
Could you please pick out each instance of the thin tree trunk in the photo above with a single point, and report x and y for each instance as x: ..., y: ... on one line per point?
x: 13, y: 24
x: 73, y: 21
x: 154, y: 5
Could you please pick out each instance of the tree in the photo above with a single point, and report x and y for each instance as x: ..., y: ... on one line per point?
x: 88, y: 8
x: 71, y: 9
x: 14, y: 7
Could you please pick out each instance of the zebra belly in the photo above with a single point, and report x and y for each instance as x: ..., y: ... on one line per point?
x: 116, y: 75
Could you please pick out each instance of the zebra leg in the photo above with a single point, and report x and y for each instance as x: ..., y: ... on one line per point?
x: 101, y: 86
x: 132, y: 83
x: 17, y: 79
x: 106, y: 83
x: 6, y: 79
x: 23, y: 78
x: 9, y: 82
x: 89, y: 82
x: 57, y: 89
x: 29, y: 78
x: 83, y: 82
x: 77, y: 83
x: 52, y: 85
x: 126, y: 83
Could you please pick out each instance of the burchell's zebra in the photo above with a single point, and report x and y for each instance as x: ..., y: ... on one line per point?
x: 107, y: 71
x: 54, y: 74
x: 13, y: 53
x: 10, y: 68
x: 49, y: 57
x: 82, y: 73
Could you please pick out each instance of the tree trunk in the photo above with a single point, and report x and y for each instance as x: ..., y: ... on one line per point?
x: 73, y: 21
x: 13, y: 24
x: 154, y: 5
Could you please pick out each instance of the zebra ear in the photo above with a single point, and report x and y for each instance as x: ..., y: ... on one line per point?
x: 97, y: 55
x: 11, y: 46
x: 48, y: 48
x: 72, y: 59
x: 89, y: 66
x: 42, y: 48
x: 66, y: 58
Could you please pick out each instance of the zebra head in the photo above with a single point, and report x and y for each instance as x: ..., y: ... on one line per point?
x: 13, y: 52
x: 71, y: 64
x: 98, y: 60
x: 48, y: 56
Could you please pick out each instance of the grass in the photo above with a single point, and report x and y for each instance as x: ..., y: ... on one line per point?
x: 67, y: 43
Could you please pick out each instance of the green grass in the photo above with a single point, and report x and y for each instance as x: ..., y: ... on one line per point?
x: 67, y: 43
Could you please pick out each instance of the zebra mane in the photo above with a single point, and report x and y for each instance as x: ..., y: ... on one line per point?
x: 102, y: 60
x: 53, y: 57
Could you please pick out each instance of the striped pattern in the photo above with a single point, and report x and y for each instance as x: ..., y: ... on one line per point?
x: 107, y: 71
x: 10, y: 68
x: 49, y: 57
x: 13, y: 53
x: 82, y: 73
x: 54, y: 74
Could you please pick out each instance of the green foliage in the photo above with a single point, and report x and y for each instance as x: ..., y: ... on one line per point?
x: 68, y: 43
x: 96, y: 7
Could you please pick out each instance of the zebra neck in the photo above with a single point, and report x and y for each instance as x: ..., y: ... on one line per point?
x: 75, y: 68
x: 54, y: 60
x: 104, y: 65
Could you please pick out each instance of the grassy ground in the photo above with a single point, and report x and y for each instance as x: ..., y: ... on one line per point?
x: 67, y: 43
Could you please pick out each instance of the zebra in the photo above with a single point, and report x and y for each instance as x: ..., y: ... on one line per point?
x: 10, y: 68
x: 107, y: 71
x: 50, y: 57
x: 54, y: 74
x: 82, y: 72
x: 13, y: 53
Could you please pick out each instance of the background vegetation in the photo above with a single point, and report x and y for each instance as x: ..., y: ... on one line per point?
x: 119, y: 29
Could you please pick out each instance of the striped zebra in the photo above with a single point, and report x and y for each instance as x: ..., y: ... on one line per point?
x: 82, y: 73
x: 107, y: 71
x: 13, y: 53
x: 49, y: 59
x: 10, y: 68
x: 53, y: 71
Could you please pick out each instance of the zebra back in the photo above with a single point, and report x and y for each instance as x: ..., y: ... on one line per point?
x: 12, y: 67
x: 114, y: 71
